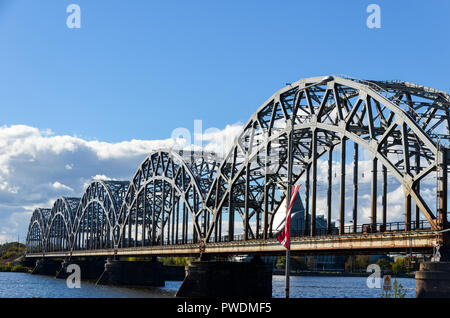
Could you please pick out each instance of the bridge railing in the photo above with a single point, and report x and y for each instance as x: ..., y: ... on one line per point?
x: 349, y: 229
x: 378, y: 228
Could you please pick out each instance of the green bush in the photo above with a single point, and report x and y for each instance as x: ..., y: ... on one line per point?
x: 397, y: 291
x: 297, y: 263
x: 19, y: 269
x: 399, y: 266
x: 384, y: 264
x: 175, y: 261
x: 5, y: 268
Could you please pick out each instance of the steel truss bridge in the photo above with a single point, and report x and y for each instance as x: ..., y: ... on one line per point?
x: 186, y: 203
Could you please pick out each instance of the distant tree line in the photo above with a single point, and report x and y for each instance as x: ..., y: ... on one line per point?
x: 357, y: 263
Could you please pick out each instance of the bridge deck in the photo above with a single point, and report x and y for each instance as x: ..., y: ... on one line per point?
x: 416, y: 241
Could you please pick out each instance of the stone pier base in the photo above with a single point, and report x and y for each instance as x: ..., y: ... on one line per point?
x: 132, y: 273
x: 226, y: 279
x: 90, y: 269
x: 433, y: 280
x: 46, y: 267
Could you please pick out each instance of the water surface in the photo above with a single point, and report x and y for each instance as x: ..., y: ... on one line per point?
x: 24, y: 285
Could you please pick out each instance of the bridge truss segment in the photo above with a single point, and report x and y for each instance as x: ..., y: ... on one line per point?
x: 399, y: 124
x: 59, y: 229
x: 35, y: 241
x: 96, y: 224
x: 189, y: 197
x: 164, y: 204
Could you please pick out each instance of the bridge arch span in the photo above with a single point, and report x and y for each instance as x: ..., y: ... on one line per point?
x: 165, y: 200
x: 35, y: 241
x: 96, y: 223
x: 59, y: 229
x: 397, y: 123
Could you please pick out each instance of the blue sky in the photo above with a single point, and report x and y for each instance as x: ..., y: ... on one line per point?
x: 139, y: 69
x: 93, y: 102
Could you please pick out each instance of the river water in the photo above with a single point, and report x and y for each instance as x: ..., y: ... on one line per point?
x: 24, y: 285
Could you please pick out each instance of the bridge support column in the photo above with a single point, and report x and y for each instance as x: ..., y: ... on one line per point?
x: 46, y: 267
x: 90, y: 269
x: 225, y: 279
x: 132, y: 273
x: 433, y: 280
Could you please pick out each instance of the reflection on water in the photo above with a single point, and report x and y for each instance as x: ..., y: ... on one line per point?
x: 26, y: 285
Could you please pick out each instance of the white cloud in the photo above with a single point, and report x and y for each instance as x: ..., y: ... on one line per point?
x: 37, y: 166
x: 59, y: 186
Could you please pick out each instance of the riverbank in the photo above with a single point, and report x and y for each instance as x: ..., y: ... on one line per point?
x: 6, y: 268
x: 338, y: 274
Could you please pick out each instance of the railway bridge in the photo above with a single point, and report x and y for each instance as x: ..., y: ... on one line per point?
x: 371, y: 156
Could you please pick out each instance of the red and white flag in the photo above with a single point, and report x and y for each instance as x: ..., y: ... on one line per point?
x: 283, y: 237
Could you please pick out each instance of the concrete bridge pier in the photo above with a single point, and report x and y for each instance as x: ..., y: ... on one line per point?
x: 227, y: 279
x: 132, y: 273
x: 46, y: 267
x: 90, y: 269
x: 433, y: 280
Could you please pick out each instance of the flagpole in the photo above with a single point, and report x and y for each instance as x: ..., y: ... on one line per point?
x: 288, y: 253
x: 288, y: 201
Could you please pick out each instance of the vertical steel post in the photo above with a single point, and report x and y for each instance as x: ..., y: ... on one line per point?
x: 153, y: 240
x: 407, y: 212
x: 230, y: 215
x: 246, y: 203
x: 163, y: 210
x: 266, y: 211
x: 144, y: 215
x: 342, y: 186
x: 306, y: 216
x: 417, y: 188
x: 183, y: 227
x: 406, y: 163
x: 288, y: 199
x: 178, y: 220
x: 314, y: 183
x: 136, y: 222
x: 442, y: 191
x: 355, y: 187
x: 373, y: 206
x: 172, y: 216
x: 329, y: 190
x: 384, y: 196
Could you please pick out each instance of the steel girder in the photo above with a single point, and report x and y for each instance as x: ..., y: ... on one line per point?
x: 179, y: 198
